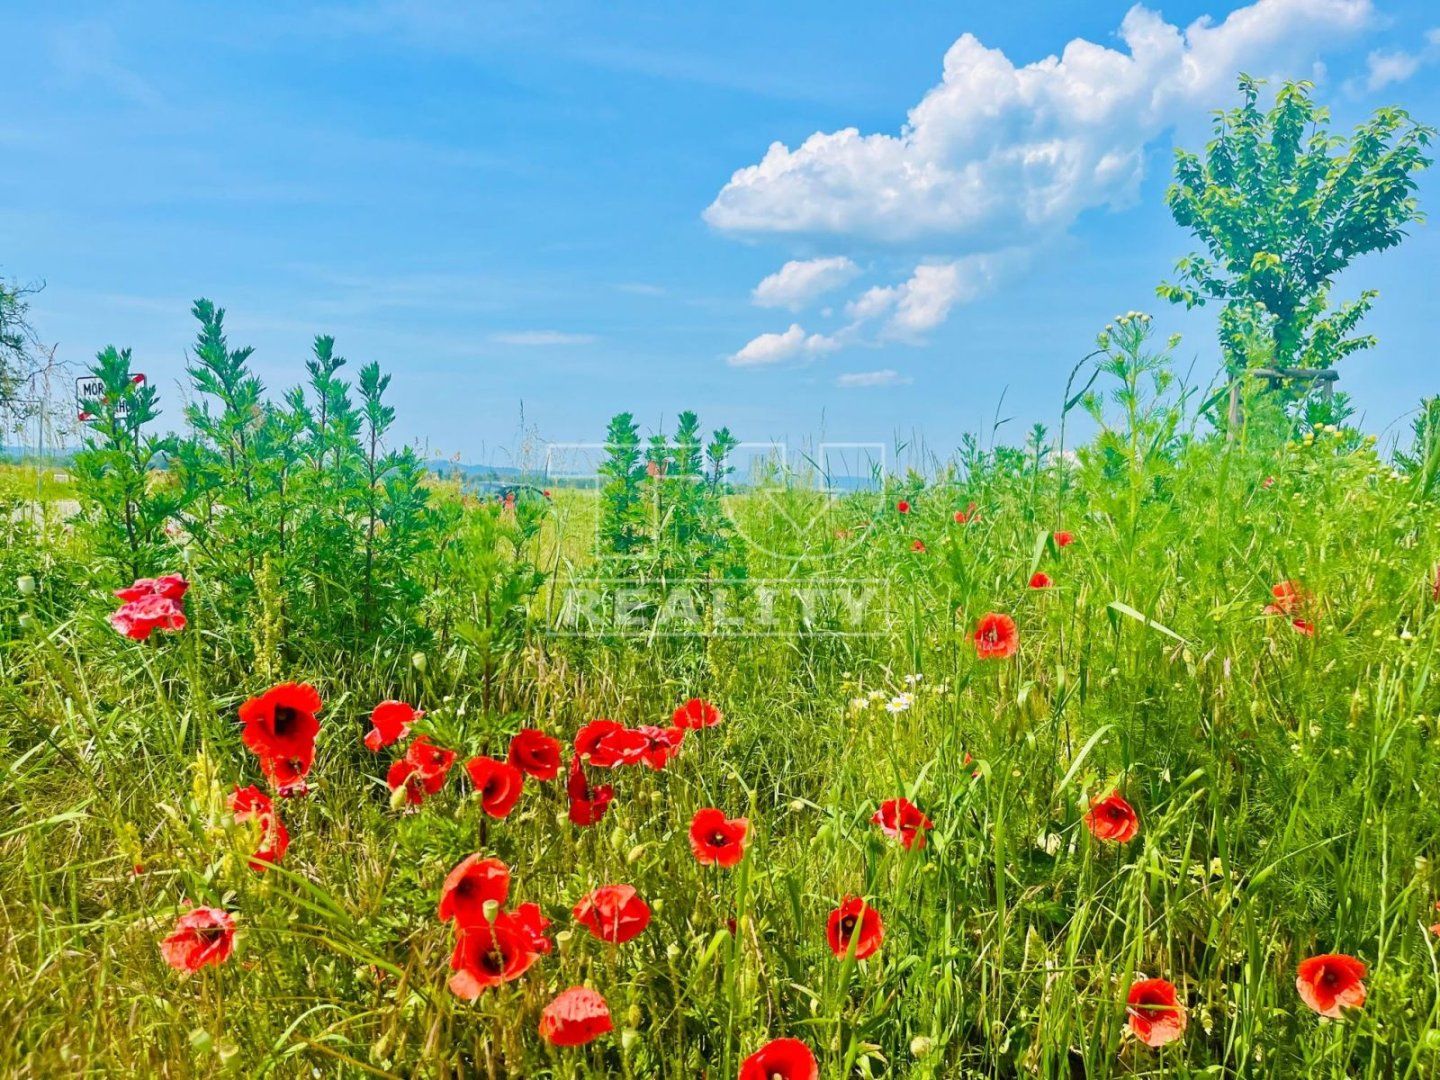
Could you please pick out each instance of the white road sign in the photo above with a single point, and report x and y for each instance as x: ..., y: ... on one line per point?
x: 89, y: 388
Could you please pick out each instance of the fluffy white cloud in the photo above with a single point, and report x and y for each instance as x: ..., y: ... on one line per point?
x: 775, y: 348
x: 886, y: 377
x: 541, y: 337
x: 1384, y: 67
x: 997, y: 154
x: 800, y: 281
x: 923, y: 302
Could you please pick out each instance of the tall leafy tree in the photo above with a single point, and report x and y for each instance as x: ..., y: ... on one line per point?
x: 1281, y: 206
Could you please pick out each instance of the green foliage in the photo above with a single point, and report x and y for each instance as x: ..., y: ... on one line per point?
x: 1422, y: 458
x: 622, y: 511
x: 17, y: 342
x: 662, y: 513
x: 1281, y: 779
x: 125, y: 500
x: 1281, y: 207
x: 1135, y: 451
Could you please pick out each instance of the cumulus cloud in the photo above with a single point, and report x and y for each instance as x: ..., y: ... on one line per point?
x: 858, y: 379
x: 800, y: 281
x: 776, y: 348
x: 923, y: 302
x: 998, y: 154
x: 541, y: 337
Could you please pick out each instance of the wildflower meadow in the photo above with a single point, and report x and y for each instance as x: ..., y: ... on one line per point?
x: 1113, y: 751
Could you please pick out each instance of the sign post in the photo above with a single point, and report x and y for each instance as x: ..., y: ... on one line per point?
x: 89, y: 388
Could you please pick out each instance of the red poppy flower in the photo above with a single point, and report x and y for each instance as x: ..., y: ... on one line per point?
x: 252, y: 804
x: 607, y: 745
x: 717, y: 840
x: 138, y: 619
x: 1112, y: 818
x: 902, y: 506
x: 430, y: 760
x: 498, y: 783
x: 587, y: 804
x: 280, y: 727
x: 474, y: 882
x: 1064, y: 539
x: 996, y: 637
x: 854, y: 921
x: 531, y: 924
x: 613, y: 913
x: 576, y: 1016
x: 961, y: 517
x: 918, y: 546
x: 1040, y: 580
x: 662, y: 744
x: 780, y: 1059
x: 535, y: 754
x: 293, y: 788
x: 696, y: 713
x: 403, y: 773
x: 1303, y: 626
x: 201, y: 936
x: 900, y: 819
x: 1436, y: 928
x: 487, y: 955
x: 1289, y: 597
x: 1331, y: 983
x: 1154, y: 1012
x: 389, y: 723
x: 169, y: 587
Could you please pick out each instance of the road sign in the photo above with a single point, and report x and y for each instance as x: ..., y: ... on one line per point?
x: 89, y: 388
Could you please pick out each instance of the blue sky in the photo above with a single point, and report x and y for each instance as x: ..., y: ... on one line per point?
x: 570, y: 208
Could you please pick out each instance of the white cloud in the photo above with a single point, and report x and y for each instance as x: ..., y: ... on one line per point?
x: 541, y: 337
x: 800, y: 281
x: 1384, y: 67
x: 998, y: 155
x: 923, y: 302
x: 886, y: 377
x: 776, y: 348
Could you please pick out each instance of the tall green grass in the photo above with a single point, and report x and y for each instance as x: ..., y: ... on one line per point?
x: 1286, y: 785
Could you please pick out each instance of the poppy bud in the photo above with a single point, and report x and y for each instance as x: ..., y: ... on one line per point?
x: 417, y: 661
x: 672, y: 952
x: 26, y: 620
x: 633, y: 856
x: 634, y: 1016
x: 25, y: 584
x: 618, y: 838
x: 921, y: 1045
x: 398, y: 797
